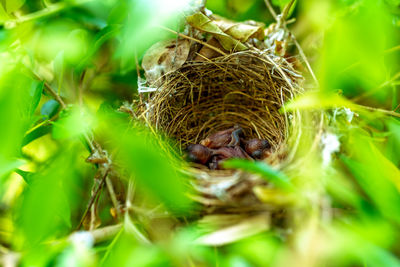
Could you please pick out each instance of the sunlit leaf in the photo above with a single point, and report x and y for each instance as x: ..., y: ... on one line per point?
x: 72, y: 123
x: 35, y: 134
x: 13, y: 5
x: 378, y: 177
x: 45, y: 209
x: 262, y: 168
x: 153, y: 167
x: 318, y: 101
x: 36, y: 93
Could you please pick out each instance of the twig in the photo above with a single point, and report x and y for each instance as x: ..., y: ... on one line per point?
x: 281, y: 22
x: 93, y: 147
x: 282, y: 17
x: 113, y: 197
x: 92, y: 199
x: 384, y: 111
x: 271, y: 9
x: 374, y: 90
x: 304, y: 57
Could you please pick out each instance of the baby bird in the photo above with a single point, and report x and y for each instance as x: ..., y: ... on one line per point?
x: 198, y: 153
x: 224, y: 153
x: 257, y: 148
x: 229, y: 137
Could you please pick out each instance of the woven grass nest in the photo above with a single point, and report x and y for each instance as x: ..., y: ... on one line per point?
x: 246, y: 88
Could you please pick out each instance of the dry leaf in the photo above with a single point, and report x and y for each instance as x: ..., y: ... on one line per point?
x: 208, y: 53
x: 164, y: 57
x: 241, y: 31
x: 205, y: 24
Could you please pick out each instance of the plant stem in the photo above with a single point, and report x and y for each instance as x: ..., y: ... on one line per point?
x: 92, y: 199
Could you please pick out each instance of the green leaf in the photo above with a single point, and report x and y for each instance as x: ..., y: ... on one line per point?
x: 14, y: 114
x: 7, y: 166
x: 50, y: 108
x: 35, y: 134
x: 377, y: 176
x: 25, y: 175
x: 309, y: 101
x: 44, y: 211
x: 105, y: 34
x: 262, y: 168
x: 3, y: 14
x: 36, y: 93
x: 13, y: 5
x: 72, y: 123
x: 149, y: 162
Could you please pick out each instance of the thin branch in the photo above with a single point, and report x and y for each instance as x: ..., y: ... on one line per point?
x: 281, y: 19
x: 384, y: 111
x: 374, y: 90
x: 281, y: 22
x: 271, y: 9
x: 398, y: 106
x: 56, y: 96
x: 114, y: 199
x: 92, y: 199
x: 304, y: 57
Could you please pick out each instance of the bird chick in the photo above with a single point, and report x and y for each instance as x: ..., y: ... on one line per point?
x: 224, y: 153
x: 256, y: 147
x: 198, y: 153
x: 229, y: 137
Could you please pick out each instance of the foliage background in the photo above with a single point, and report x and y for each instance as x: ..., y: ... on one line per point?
x: 85, y: 52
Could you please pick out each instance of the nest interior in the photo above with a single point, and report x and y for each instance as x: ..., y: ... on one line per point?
x: 244, y: 88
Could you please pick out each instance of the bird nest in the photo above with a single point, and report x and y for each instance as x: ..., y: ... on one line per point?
x: 222, y: 75
x: 246, y: 88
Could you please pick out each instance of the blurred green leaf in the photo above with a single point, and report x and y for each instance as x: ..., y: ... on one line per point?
x: 35, y: 134
x: 59, y: 67
x: 3, y: 14
x: 354, y: 47
x: 377, y: 176
x: 309, y: 101
x: 15, y: 114
x: 72, y: 123
x: 101, y: 37
x: 262, y: 168
x: 127, y: 252
x: 150, y: 163
x: 393, y: 144
x: 13, y: 5
x: 50, y: 108
x: 45, y: 210
x: 36, y: 93
x: 25, y: 175
x: 280, y: 3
